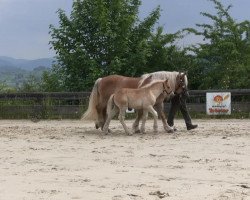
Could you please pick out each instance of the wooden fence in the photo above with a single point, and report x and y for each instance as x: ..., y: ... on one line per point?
x: 73, y: 104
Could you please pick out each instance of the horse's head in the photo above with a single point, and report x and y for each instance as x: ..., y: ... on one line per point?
x: 167, y: 88
x: 181, y: 83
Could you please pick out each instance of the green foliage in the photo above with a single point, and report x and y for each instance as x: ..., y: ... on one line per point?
x: 164, y: 54
x: 4, y: 88
x: 103, y: 37
x: 52, y: 81
x: 31, y: 84
x: 99, y: 38
x: 222, y: 61
x: 16, y: 79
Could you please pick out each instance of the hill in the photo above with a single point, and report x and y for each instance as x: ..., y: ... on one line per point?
x: 13, y: 72
x: 9, y: 62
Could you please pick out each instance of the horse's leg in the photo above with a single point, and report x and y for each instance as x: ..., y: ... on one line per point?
x: 155, y: 115
x: 121, y: 118
x: 110, y: 116
x: 137, y: 120
x: 98, y: 122
x: 159, y: 108
x: 104, y: 116
x: 144, y: 118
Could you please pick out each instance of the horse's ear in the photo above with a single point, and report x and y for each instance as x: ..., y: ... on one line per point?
x: 149, y: 78
x: 146, y: 81
x: 165, y: 82
x: 182, y: 74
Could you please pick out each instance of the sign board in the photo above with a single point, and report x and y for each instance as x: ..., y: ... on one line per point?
x: 218, y: 103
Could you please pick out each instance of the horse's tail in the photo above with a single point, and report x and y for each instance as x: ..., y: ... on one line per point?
x: 91, y: 113
x: 110, y: 103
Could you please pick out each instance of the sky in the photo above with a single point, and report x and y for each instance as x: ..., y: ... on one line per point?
x: 24, y: 24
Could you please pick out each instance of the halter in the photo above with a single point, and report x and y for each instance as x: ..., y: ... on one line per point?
x: 181, y: 85
x: 164, y: 90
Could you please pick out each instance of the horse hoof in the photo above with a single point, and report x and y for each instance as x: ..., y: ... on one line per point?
x: 105, y: 132
x: 96, y: 126
x: 130, y: 134
x: 155, y: 129
x: 109, y: 131
x: 171, y: 131
x: 137, y: 131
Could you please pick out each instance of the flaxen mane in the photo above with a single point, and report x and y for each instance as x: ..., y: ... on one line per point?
x: 152, y: 83
x: 163, y: 75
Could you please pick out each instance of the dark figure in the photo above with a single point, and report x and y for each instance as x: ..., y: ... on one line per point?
x: 179, y: 102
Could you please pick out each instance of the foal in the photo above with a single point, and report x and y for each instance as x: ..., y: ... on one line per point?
x: 142, y: 98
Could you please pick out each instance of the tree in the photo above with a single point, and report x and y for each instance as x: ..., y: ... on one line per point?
x: 6, y: 88
x: 167, y: 56
x: 163, y: 52
x: 100, y: 37
x: 31, y: 84
x: 223, y: 59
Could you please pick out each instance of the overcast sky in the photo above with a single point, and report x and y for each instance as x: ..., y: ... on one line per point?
x: 24, y: 24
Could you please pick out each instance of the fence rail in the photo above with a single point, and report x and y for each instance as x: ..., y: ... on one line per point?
x: 44, y: 95
x: 79, y: 95
x: 73, y: 104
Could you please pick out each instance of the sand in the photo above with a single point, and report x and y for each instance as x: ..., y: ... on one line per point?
x: 69, y: 159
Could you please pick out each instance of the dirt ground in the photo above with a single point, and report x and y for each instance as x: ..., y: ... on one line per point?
x: 71, y: 160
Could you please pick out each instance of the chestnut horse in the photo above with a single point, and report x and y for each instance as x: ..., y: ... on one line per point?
x: 143, y: 98
x: 106, y: 86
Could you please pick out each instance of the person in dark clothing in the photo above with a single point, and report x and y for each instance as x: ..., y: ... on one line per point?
x: 179, y: 102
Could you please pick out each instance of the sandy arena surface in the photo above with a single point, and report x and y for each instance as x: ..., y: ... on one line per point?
x: 71, y: 160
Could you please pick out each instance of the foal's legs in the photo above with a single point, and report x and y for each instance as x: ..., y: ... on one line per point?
x: 144, y: 118
x: 121, y: 118
x: 137, y: 120
x: 159, y: 108
x: 112, y: 113
x: 155, y: 115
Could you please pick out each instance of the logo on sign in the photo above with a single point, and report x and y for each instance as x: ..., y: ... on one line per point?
x: 219, y: 99
x: 218, y: 103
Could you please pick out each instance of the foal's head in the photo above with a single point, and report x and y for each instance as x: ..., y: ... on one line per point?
x: 181, y: 83
x: 167, y: 88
